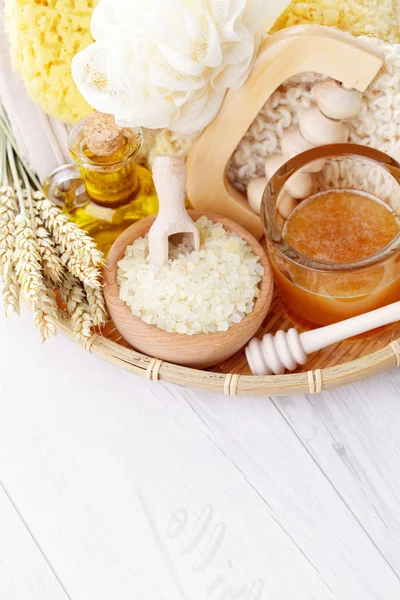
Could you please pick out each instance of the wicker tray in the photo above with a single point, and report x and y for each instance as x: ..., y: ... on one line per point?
x: 310, y: 49
x: 337, y: 365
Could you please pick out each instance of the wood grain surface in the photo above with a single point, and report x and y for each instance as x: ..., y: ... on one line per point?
x: 136, y: 490
x: 24, y: 570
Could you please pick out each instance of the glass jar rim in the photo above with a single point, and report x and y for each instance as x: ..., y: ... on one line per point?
x: 75, y: 148
x: 278, y: 180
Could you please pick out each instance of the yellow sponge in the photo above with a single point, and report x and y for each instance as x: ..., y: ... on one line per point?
x: 44, y: 36
x: 379, y: 18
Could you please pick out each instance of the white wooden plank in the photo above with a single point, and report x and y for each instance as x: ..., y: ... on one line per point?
x: 353, y: 434
x: 325, y: 529
x: 24, y: 572
x: 99, y: 461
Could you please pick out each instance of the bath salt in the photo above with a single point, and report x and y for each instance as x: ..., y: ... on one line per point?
x: 194, y: 292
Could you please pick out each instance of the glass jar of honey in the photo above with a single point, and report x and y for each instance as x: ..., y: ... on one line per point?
x: 336, y: 253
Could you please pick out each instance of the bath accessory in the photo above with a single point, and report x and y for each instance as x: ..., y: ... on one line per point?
x: 318, y: 125
x: 202, y: 349
x: 107, y: 190
x: 169, y: 175
x: 296, y: 50
x: 287, y: 350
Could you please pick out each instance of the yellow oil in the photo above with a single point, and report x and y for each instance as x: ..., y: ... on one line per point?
x: 106, y: 223
x: 110, y: 180
x: 121, y: 192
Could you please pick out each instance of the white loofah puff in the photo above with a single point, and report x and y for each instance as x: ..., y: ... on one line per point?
x: 168, y: 63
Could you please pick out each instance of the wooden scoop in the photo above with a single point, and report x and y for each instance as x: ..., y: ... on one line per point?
x: 169, y: 174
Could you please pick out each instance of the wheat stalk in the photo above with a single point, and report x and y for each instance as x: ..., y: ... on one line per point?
x: 8, y: 210
x: 77, y: 249
x: 34, y: 292
x: 81, y: 323
x: 28, y: 268
x: 11, y: 291
x: 71, y: 292
x: 40, y: 248
x: 98, y: 310
x: 52, y: 266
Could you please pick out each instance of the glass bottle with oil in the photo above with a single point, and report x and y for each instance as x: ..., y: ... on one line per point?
x: 107, y: 191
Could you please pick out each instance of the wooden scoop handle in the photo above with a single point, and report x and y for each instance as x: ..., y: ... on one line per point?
x: 169, y: 174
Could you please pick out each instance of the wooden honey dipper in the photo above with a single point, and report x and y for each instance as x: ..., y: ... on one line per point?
x: 288, y: 349
x: 319, y: 124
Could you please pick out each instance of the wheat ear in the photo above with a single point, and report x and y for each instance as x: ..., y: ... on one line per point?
x: 52, y: 267
x: 30, y: 277
x: 10, y: 290
x: 40, y: 249
x: 97, y: 306
x: 78, y: 251
x: 27, y: 264
x: 85, y: 306
x: 81, y: 323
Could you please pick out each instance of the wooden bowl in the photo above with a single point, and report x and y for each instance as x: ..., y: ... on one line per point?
x: 201, y: 350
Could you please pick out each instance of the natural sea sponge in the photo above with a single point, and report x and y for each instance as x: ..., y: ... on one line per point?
x: 44, y: 36
x: 378, y: 18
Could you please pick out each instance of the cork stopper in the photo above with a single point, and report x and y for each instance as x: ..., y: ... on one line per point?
x: 103, y: 136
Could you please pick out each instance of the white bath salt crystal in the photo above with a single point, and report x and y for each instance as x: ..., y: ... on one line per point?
x: 249, y: 307
x: 231, y: 245
x: 260, y: 269
x: 236, y: 318
x: 202, y: 222
x: 211, y: 257
x: 194, y: 292
x: 175, y: 308
x: 222, y: 268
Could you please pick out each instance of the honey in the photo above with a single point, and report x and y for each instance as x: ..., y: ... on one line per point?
x: 338, y: 227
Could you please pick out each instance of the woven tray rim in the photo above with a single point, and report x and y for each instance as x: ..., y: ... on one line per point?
x: 243, y: 385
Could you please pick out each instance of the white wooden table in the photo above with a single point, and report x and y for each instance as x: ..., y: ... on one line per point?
x: 112, y: 488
